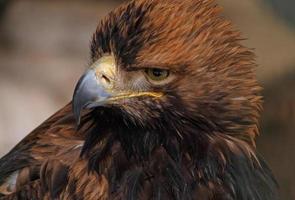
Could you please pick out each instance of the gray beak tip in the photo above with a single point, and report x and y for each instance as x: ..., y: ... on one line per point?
x: 77, y: 114
x: 88, y: 93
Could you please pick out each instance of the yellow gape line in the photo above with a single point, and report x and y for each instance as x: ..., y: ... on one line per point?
x: 132, y: 95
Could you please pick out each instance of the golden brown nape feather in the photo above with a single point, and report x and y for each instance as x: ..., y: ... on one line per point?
x: 196, y: 141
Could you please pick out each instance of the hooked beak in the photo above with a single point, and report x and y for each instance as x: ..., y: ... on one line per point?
x: 93, y: 88
x: 96, y: 87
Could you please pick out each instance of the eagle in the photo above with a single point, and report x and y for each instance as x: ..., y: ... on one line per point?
x: 168, y: 109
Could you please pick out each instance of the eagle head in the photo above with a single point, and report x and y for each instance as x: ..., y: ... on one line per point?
x: 173, y: 98
x: 175, y: 67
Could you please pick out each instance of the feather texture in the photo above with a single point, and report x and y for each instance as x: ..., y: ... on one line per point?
x: 195, y: 142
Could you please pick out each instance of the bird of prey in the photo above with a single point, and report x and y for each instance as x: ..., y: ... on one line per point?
x: 168, y: 109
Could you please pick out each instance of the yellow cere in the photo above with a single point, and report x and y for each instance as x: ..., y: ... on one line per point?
x: 105, y: 65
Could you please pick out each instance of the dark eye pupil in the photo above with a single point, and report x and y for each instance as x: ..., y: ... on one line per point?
x: 157, y: 72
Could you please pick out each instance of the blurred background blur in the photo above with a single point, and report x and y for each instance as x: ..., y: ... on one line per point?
x: 44, y: 50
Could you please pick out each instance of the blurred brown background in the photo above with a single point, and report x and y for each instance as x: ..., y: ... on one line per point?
x: 44, y: 50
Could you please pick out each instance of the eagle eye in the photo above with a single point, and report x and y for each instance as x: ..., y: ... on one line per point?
x: 156, y: 74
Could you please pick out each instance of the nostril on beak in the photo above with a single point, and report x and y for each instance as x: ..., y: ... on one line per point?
x: 105, y: 80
